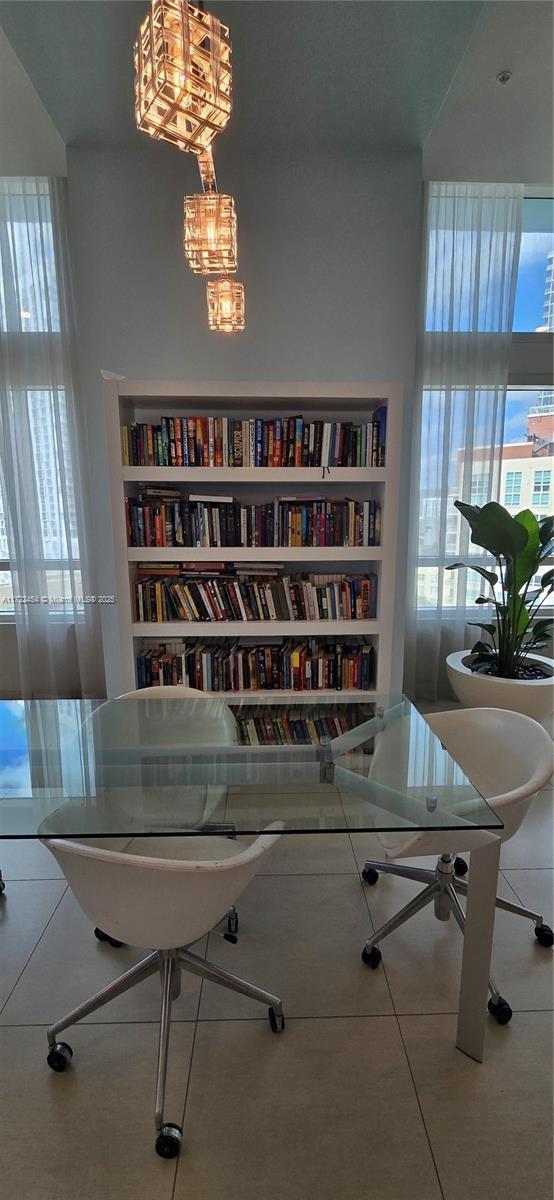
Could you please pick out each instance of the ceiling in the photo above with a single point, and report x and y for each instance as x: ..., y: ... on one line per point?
x: 487, y: 131
x: 307, y: 75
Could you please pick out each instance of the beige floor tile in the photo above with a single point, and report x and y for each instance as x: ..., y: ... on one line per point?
x: 535, y: 889
x: 533, y: 844
x: 88, y: 1133
x: 325, y: 1110
x: 25, y: 909
x: 422, y: 958
x: 490, y: 1123
x: 70, y: 965
x: 300, y: 937
x: 307, y: 854
x: 26, y: 858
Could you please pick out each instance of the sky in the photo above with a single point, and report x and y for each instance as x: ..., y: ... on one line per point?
x: 531, y: 281
x: 14, y: 760
x: 518, y: 404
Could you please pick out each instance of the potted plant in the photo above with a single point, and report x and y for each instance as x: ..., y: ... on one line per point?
x: 504, y: 671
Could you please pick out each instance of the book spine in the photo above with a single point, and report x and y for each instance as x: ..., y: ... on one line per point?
x: 258, y: 459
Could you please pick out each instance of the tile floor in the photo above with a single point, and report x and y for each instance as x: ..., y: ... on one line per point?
x: 364, y: 1094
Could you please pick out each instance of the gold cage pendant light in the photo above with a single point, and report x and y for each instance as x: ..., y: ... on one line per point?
x: 210, y: 226
x: 226, y: 306
x: 210, y: 237
x: 182, y: 75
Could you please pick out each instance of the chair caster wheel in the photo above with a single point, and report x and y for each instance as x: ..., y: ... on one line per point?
x: 460, y: 866
x: 276, y: 1020
x: 59, y: 1056
x: 500, y: 1010
x: 232, y: 922
x: 105, y: 937
x: 169, y: 1141
x: 372, y: 957
x: 544, y: 935
x: 370, y: 875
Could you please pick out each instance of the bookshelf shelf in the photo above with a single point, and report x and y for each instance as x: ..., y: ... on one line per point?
x: 315, y: 476
x: 297, y: 554
x: 259, y: 629
x: 287, y: 696
x: 127, y: 401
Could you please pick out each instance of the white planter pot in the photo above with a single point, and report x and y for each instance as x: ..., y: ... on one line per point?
x: 533, y: 697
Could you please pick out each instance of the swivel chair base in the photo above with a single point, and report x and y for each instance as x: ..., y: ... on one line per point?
x: 169, y: 963
x: 442, y: 887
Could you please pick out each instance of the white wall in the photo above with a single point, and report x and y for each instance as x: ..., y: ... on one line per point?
x: 29, y: 141
x: 329, y: 253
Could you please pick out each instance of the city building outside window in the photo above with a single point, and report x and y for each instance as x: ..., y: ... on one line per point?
x: 541, y: 489
x: 512, y: 490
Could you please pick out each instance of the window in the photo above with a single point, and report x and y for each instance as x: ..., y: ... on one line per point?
x: 29, y: 305
x: 521, y: 483
x: 479, y: 488
x: 534, y: 304
x: 472, y: 447
x: 541, y: 489
x: 512, y: 489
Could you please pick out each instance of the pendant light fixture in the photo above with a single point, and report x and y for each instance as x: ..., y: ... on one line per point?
x: 183, y: 96
x: 226, y: 307
x: 182, y: 75
x: 210, y: 226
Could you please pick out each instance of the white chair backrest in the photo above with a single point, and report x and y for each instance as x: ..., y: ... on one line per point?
x: 152, y: 902
x: 508, y: 758
x: 208, y: 723
x: 202, y: 720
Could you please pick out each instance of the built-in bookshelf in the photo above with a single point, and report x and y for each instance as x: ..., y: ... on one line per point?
x: 321, y: 466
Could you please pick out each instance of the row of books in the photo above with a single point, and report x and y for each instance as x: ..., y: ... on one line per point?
x: 296, y: 727
x: 300, y: 666
x: 255, y: 442
x: 237, y: 595
x: 166, y: 518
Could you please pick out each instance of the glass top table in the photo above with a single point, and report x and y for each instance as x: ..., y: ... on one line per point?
x: 145, y: 766
x: 154, y: 765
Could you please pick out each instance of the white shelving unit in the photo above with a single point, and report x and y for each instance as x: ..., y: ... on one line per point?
x: 131, y: 400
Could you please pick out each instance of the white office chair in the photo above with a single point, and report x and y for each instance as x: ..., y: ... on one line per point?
x: 508, y: 758
x: 164, y: 893
x: 208, y: 724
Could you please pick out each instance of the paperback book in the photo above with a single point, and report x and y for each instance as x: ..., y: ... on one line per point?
x: 282, y: 441
x: 252, y: 592
x: 303, y: 665
x: 162, y: 518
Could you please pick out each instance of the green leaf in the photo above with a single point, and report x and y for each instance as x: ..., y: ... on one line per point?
x: 547, y: 579
x: 546, y: 530
x: 543, y: 626
x: 482, y: 648
x: 469, y: 511
x: 494, y: 529
x: 546, y: 550
x: 491, y: 629
x: 488, y: 575
x: 522, y: 621
x: 527, y: 560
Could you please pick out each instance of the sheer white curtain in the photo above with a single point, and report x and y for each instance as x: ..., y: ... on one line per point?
x: 43, y: 474
x: 472, y: 235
